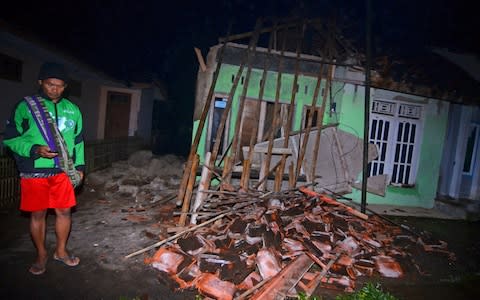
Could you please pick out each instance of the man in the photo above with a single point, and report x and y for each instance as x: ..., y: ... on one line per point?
x: 44, y: 183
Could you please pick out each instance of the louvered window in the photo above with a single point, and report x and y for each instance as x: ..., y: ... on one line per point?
x: 396, y: 130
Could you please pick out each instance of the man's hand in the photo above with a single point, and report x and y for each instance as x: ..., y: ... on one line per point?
x: 81, y: 175
x: 44, y: 151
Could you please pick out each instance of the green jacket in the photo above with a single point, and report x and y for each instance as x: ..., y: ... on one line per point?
x: 22, y: 136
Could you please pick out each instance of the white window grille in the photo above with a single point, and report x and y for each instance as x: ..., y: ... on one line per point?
x: 397, y: 135
x: 383, y: 107
x: 409, y: 111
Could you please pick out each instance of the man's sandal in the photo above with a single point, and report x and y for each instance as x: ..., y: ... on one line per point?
x: 37, y: 269
x: 70, y: 261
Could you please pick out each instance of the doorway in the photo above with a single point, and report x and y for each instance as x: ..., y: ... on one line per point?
x: 117, y: 117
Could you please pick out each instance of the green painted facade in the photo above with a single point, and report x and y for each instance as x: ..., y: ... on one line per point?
x: 349, y: 99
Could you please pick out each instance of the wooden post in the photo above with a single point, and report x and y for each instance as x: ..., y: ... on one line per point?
x: 201, y: 124
x: 268, y: 157
x: 279, y: 176
x: 227, y: 109
x: 324, y: 101
x: 245, y: 180
x: 241, y: 105
x: 291, y: 176
x: 188, y: 193
x: 264, y: 178
x: 319, y: 126
x: 291, y: 109
x: 204, y: 184
x: 184, y: 182
x: 259, y: 115
x: 310, y: 114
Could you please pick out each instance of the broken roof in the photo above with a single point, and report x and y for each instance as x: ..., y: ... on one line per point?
x: 420, y: 71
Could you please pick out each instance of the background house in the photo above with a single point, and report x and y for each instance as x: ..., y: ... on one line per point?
x: 111, y: 108
x: 460, y: 176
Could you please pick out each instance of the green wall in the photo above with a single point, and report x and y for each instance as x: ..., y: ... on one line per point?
x: 349, y: 100
x: 435, y: 117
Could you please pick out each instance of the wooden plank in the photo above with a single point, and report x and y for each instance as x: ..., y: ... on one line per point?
x: 287, y: 25
x: 286, y: 151
x: 201, y: 125
x: 201, y: 61
x: 241, y: 105
x: 264, y: 171
x: 310, y: 114
x: 291, y: 110
x: 278, y: 287
x: 331, y: 201
x: 173, y: 237
x: 204, y: 184
x: 313, y: 162
x: 257, y: 131
x: 316, y: 281
x: 265, y: 177
x: 245, y: 179
x: 291, y: 176
x: 189, y: 191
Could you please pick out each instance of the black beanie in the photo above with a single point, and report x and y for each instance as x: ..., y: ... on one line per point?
x: 52, y: 70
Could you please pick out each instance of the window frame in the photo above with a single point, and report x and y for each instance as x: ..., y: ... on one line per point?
x: 473, y: 157
x: 395, y: 117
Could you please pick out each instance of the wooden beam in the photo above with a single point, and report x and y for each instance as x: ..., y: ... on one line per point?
x: 201, y: 125
x: 278, y: 287
x: 241, y: 105
x: 200, y: 197
x: 274, y: 28
x: 265, y: 169
x: 173, y: 237
x: 288, y: 126
x: 189, y: 191
x: 257, y: 131
x: 284, y: 151
x: 201, y: 61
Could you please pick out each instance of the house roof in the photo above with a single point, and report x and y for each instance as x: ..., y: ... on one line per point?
x: 22, y: 40
x: 420, y: 71
x: 427, y: 74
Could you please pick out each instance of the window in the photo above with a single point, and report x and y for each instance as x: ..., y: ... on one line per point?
x: 219, y: 105
x: 396, y: 129
x: 313, y: 112
x: 10, y: 68
x: 470, y: 153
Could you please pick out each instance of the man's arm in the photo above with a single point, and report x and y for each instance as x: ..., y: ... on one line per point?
x: 79, y: 146
x: 16, y: 137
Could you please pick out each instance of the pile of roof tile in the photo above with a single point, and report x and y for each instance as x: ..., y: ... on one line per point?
x: 281, y: 244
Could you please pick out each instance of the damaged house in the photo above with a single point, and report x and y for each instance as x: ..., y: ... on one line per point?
x: 304, y: 81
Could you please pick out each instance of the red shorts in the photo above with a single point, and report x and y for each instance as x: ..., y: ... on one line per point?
x: 42, y: 193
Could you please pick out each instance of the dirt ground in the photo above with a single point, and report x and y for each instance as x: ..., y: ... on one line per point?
x: 105, y: 229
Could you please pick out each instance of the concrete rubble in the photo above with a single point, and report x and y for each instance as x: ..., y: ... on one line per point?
x: 144, y: 177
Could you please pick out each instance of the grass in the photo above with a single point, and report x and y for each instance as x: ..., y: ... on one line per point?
x: 369, y: 292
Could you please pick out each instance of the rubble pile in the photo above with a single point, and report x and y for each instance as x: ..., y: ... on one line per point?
x: 143, y: 177
x: 279, y: 244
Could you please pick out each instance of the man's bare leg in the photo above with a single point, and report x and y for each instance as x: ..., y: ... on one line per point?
x: 38, y: 231
x: 63, y: 225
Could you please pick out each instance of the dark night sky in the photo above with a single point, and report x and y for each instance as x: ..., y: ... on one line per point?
x: 121, y: 37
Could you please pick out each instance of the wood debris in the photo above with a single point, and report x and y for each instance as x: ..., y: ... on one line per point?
x: 275, y: 245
